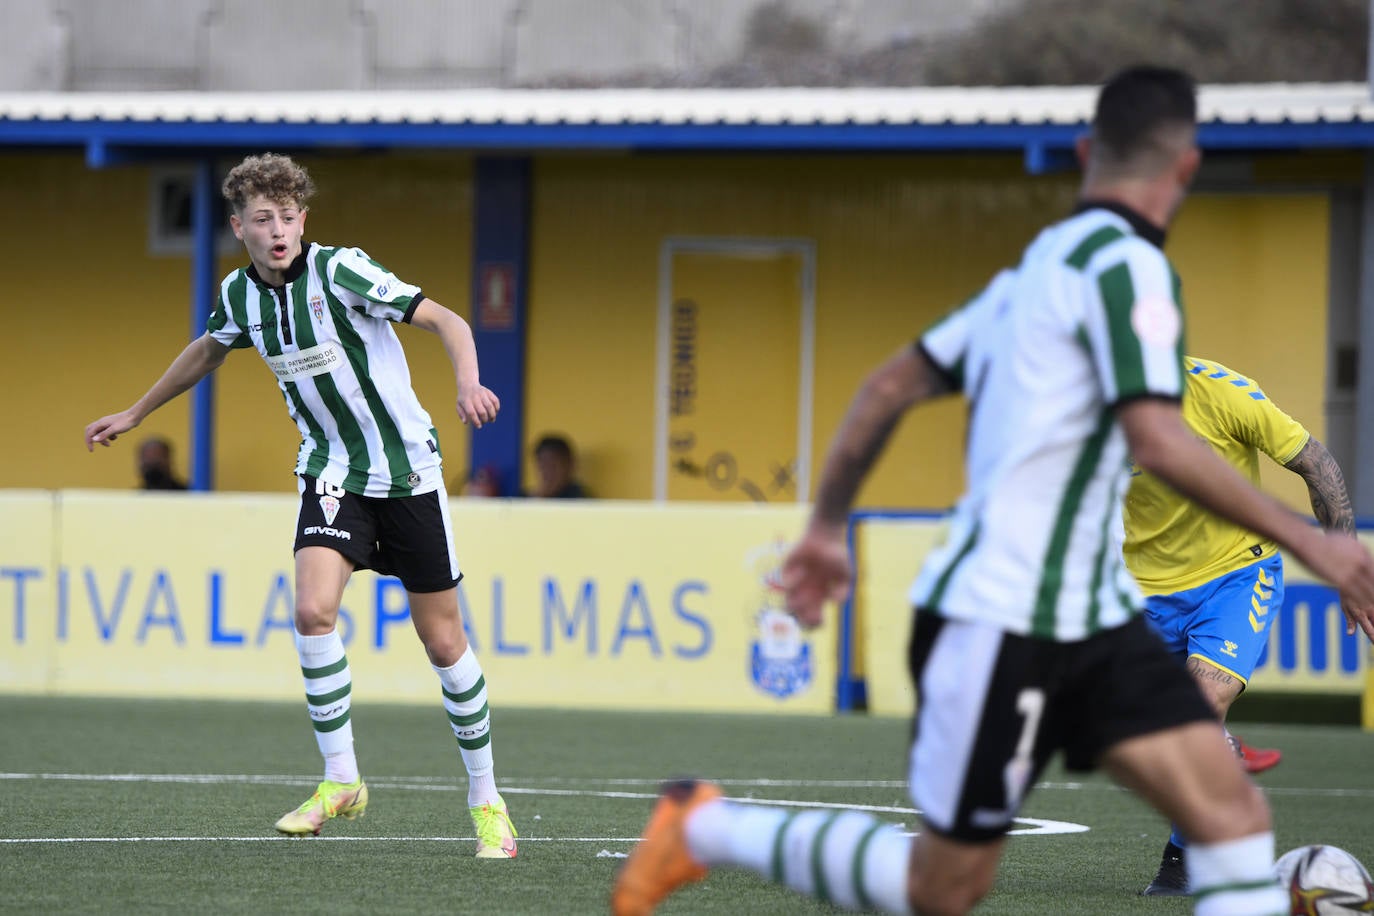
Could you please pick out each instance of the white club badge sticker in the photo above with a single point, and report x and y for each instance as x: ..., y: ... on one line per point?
x: 780, y: 660
x: 1156, y: 321
x: 330, y: 506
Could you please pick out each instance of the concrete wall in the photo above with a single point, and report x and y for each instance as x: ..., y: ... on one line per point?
x: 267, y: 45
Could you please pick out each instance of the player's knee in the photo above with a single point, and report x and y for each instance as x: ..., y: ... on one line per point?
x: 313, y: 618
x: 444, y: 645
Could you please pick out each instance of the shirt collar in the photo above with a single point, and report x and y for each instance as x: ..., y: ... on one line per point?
x: 293, y: 272
x: 1143, y: 227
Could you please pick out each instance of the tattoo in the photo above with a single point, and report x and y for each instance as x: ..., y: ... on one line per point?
x: 848, y: 470
x: 896, y: 386
x: 1201, y: 670
x: 1325, y: 486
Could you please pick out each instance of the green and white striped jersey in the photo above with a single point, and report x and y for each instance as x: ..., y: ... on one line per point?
x: 1090, y: 318
x: 327, y: 336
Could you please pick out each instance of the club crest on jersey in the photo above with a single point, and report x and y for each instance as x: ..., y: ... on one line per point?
x: 780, y: 655
x: 330, y: 505
x: 317, y: 306
x: 413, y: 480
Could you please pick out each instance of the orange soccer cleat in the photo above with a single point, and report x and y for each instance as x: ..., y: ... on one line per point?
x: 661, y: 863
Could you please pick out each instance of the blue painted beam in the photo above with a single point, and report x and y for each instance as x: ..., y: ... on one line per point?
x: 100, y: 136
x: 204, y: 290
x: 500, y: 278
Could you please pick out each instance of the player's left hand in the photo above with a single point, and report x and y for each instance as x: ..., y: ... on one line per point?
x: 477, y: 405
x: 816, y: 570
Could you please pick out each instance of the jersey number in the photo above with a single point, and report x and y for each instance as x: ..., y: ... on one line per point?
x: 1030, y: 703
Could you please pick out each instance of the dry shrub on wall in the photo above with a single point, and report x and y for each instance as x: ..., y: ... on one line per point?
x: 1048, y: 42
x: 1073, y: 42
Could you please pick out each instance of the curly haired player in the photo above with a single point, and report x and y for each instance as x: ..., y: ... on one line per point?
x: 368, y: 469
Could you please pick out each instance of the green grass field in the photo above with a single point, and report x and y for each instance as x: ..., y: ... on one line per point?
x: 113, y: 806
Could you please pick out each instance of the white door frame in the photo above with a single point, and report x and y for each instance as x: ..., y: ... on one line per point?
x: 805, y: 249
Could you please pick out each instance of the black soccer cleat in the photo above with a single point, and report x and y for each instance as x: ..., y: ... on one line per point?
x: 1172, y: 878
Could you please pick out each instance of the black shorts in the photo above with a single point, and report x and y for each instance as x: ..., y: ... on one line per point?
x: 408, y: 537
x: 994, y: 707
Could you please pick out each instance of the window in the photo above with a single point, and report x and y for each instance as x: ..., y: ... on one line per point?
x: 170, y: 232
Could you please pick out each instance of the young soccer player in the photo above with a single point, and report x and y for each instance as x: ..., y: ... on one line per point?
x: 368, y: 470
x: 1028, y: 638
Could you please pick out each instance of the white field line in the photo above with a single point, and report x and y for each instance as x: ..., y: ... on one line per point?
x: 544, y: 785
x: 59, y: 840
x: 1038, y: 826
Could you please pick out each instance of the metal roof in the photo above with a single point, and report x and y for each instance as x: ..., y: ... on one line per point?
x: 1233, y: 116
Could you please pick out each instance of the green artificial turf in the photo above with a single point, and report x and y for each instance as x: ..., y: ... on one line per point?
x: 138, y: 774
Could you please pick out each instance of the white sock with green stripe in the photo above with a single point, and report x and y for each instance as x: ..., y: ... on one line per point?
x: 465, y: 701
x: 1235, y: 878
x: 846, y: 858
x: 328, y: 685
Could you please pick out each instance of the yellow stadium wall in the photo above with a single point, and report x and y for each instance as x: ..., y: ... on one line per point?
x: 1255, y: 282
x: 898, y: 240
x: 111, y: 316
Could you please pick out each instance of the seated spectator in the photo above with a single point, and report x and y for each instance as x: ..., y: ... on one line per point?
x: 553, y: 461
x: 484, y: 482
x: 155, y: 465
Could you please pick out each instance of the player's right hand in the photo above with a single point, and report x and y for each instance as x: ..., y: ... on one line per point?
x: 816, y: 570
x: 108, y: 429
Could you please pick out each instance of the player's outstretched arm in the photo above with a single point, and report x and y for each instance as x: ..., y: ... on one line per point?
x: 1162, y: 445
x: 201, y: 357
x: 1331, y: 505
x: 818, y: 568
x: 1325, y: 486
x: 476, y: 403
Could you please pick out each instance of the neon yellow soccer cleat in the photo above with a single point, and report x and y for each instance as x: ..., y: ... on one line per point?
x: 495, y: 833
x: 332, y: 799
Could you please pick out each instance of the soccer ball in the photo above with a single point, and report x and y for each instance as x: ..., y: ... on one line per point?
x: 1325, y: 881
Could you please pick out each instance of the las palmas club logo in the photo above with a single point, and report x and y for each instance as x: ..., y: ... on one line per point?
x: 780, y: 657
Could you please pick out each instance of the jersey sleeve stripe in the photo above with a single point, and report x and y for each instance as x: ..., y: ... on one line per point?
x: 1128, y: 361
x: 351, y: 281
x: 230, y: 308
x: 1095, y: 242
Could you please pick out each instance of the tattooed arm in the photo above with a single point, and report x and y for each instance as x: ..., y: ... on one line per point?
x: 818, y: 568
x: 1325, y: 486
x: 1331, y: 505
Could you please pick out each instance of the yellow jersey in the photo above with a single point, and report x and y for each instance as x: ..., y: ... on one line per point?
x: 1172, y: 544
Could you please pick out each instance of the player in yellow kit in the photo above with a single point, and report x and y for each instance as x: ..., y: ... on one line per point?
x: 1212, y: 588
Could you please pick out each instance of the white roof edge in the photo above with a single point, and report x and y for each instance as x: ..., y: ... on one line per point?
x: 1238, y: 103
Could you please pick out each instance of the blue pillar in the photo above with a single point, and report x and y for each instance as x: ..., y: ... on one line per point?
x: 204, y: 289
x: 500, y: 274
